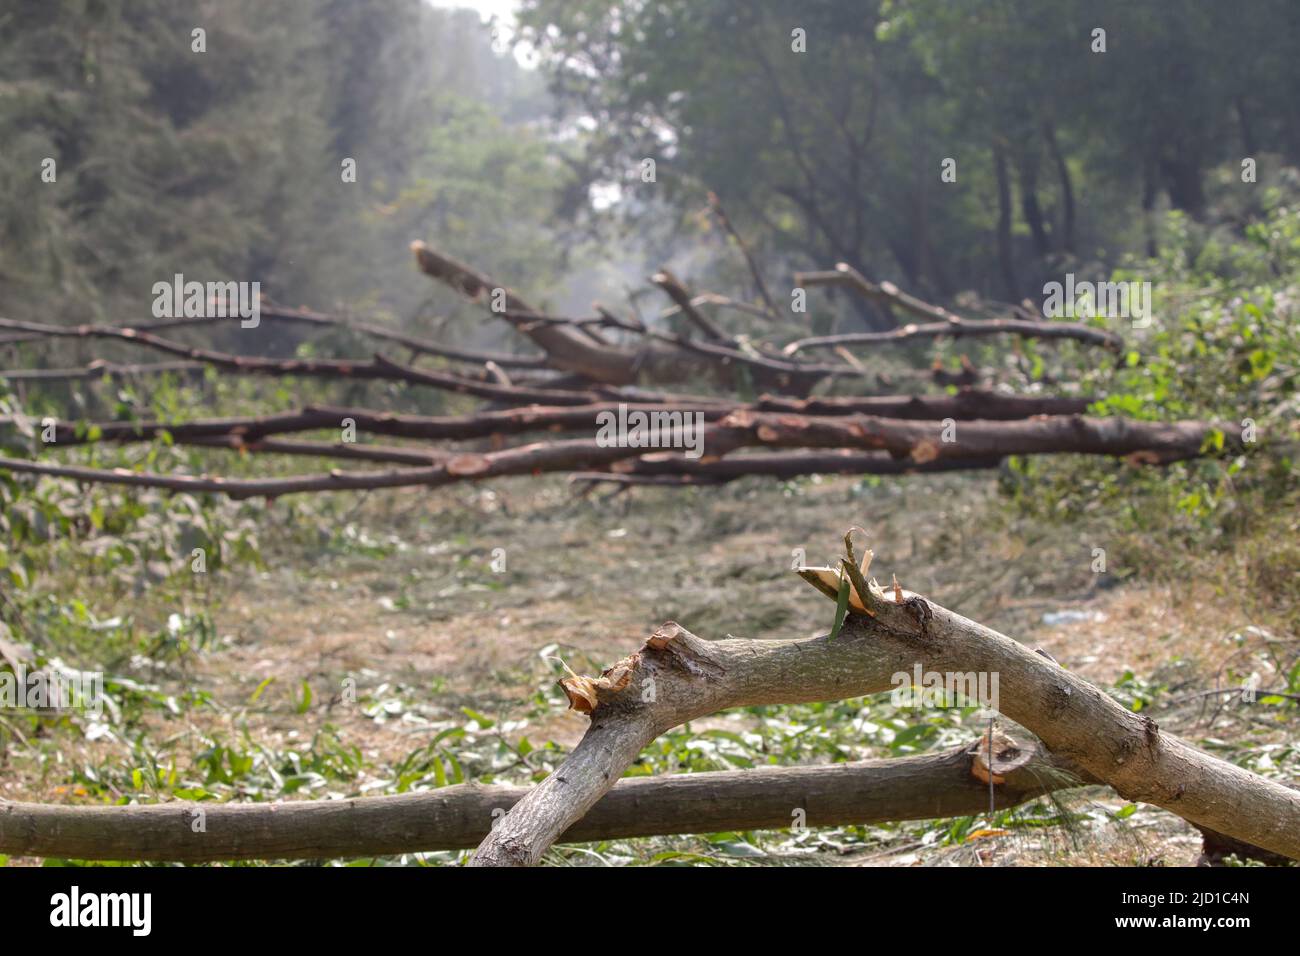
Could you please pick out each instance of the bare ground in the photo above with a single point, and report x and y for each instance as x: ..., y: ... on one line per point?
x: 434, y: 603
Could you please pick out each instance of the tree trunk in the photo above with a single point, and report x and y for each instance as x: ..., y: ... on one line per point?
x: 1150, y: 192
x: 1067, y: 188
x: 1006, y: 257
x: 1029, y: 207
x: 1182, y: 176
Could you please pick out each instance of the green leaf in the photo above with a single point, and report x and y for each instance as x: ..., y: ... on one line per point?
x: 261, y: 687
x: 482, y: 720
x: 439, y: 771
x: 841, y: 607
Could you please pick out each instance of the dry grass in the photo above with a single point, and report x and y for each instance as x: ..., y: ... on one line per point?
x: 417, y: 607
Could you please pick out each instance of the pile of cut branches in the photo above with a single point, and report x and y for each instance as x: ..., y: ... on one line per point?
x: 598, y: 398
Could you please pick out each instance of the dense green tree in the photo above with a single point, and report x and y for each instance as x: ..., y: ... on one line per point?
x: 824, y: 125
x: 228, y: 162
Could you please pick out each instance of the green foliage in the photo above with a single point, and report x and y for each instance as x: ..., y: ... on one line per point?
x: 227, y: 164
x: 1224, y: 347
x: 834, y: 154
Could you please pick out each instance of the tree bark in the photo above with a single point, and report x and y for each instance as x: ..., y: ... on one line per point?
x: 966, y: 405
x: 1006, y: 253
x: 942, y: 321
x: 921, y: 443
x: 677, y: 677
x: 459, y: 817
x: 1029, y: 207
x: 377, y: 368
x: 566, y: 346
x: 1067, y: 187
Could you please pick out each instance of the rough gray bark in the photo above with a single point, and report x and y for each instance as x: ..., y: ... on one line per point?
x: 678, y: 677
x: 459, y: 817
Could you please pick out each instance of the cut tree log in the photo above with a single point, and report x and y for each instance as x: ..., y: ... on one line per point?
x: 681, y: 297
x: 920, y: 443
x: 676, y: 677
x: 785, y: 465
x: 946, y: 784
x: 966, y: 405
x: 570, y: 347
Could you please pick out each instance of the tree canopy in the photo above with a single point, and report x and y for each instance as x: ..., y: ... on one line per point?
x: 825, y: 128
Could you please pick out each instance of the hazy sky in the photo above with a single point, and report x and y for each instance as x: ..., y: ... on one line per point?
x: 503, y: 11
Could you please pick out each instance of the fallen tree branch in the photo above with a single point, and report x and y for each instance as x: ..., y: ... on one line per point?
x: 417, y: 345
x: 956, y: 329
x: 356, y: 451
x: 275, y: 313
x: 944, y: 323
x: 569, y: 346
x: 378, y: 367
x: 723, y: 354
x: 721, y: 301
x: 966, y: 405
x: 922, y: 441
x: 681, y: 297
x: 459, y: 817
x: 919, y: 442
x: 677, y: 677
x: 101, y: 369
x: 509, y: 421
x: 782, y: 465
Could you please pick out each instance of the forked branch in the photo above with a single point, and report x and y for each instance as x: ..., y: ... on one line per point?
x: 677, y: 677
